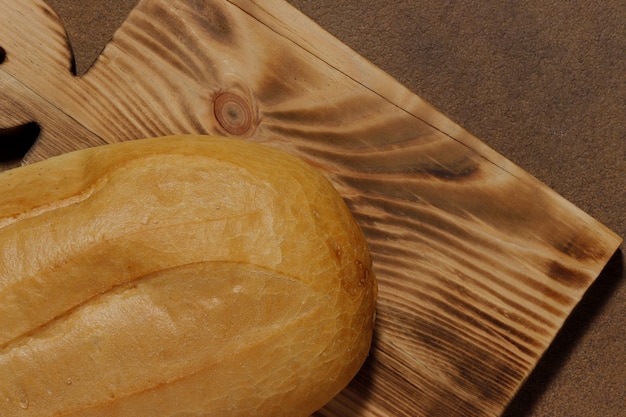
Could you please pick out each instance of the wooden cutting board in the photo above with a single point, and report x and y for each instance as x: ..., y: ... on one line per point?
x: 479, y: 263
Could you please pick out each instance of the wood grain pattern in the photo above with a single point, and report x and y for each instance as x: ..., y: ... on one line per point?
x: 61, y: 133
x: 479, y: 263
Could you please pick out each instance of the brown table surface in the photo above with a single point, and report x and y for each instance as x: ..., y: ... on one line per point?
x: 544, y: 83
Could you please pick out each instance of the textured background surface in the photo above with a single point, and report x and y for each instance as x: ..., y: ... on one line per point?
x: 542, y: 82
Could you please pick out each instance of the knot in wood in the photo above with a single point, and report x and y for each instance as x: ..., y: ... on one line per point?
x: 233, y: 113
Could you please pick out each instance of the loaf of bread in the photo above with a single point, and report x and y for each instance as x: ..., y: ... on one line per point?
x: 181, y: 276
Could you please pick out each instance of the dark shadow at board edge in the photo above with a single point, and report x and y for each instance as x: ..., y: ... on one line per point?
x: 575, y: 326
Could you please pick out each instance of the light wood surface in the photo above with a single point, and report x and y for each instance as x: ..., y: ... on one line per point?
x: 479, y: 263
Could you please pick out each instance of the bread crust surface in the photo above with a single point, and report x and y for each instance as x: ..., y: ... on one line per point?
x: 178, y: 276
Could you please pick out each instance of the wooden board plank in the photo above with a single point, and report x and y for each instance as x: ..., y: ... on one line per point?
x: 60, y: 133
x: 479, y: 263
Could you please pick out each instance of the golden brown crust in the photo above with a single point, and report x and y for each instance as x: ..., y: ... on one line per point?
x: 178, y: 276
